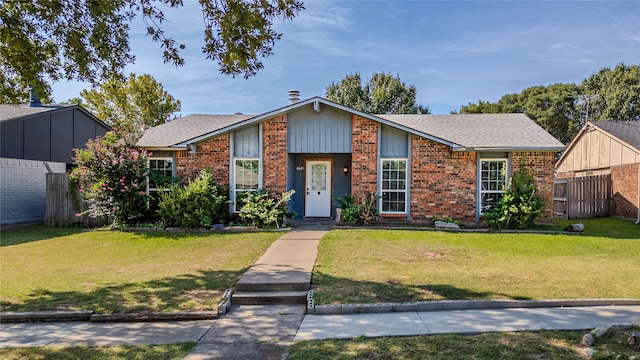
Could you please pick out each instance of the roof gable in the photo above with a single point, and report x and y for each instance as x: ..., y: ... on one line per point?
x: 461, y: 132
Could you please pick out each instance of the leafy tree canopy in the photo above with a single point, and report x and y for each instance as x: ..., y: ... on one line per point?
x: 130, y: 106
x: 615, y: 94
x: 44, y: 41
x: 381, y: 94
x: 561, y: 109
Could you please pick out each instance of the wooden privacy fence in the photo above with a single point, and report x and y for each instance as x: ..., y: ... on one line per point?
x: 582, y: 198
x: 60, y: 209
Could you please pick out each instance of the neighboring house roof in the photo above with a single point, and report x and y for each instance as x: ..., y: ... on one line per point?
x: 11, y: 112
x: 181, y: 130
x: 17, y: 111
x: 626, y: 131
x: 462, y: 132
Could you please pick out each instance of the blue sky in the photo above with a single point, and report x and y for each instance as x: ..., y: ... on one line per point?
x: 454, y: 52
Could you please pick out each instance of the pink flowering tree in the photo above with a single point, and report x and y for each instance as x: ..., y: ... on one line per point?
x: 111, y: 178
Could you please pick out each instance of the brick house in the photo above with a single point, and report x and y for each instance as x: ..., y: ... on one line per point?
x: 608, y: 148
x: 423, y: 166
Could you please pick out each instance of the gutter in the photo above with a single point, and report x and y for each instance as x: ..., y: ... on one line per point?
x: 477, y: 149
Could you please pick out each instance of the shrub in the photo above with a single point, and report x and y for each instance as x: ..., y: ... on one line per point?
x: 196, y: 204
x: 520, y: 206
x: 362, y: 209
x: 345, y: 202
x: 264, y: 209
x: 110, y: 175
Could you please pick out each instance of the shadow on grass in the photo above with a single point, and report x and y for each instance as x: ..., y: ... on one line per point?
x: 166, y: 352
x: 24, y: 235
x: 330, y: 289
x: 197, y: 291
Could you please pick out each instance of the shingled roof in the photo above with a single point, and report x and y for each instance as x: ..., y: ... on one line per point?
x: 482, y: 131
x: 470, y: 132
x: 17, y: 111
x: 627, y: 131
x: 181, y: 130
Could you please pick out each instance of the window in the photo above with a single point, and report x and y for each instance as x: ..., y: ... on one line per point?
x: 493, y: 175
x: 247, y: 177
x: 394, y: 185
x: 159, y: 178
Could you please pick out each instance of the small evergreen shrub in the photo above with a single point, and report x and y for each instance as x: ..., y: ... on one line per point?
x: 264, y: 209
x: 520, y: 206
x: 199, y: 203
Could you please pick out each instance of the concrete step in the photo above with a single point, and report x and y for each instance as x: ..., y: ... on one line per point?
x: 268, y: 297
x: 272, y: 286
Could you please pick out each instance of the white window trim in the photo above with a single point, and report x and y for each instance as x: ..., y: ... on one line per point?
x: 149, y: 188
x: 233, y: 184
x: 506, y: 179
x: 406, y: 186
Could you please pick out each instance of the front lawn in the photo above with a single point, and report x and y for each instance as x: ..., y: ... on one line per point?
x: 128, y: 352
x: 120, y: 272
x: 364, y: 266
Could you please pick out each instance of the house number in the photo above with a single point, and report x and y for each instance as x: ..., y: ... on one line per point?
x: 300, y: 168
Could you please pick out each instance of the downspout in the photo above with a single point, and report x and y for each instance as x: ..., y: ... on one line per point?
x: 638, y: 182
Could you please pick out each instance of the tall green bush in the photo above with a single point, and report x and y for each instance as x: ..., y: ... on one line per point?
x: 264, y: 209
x: 199, y: 203
x: 520, y: 206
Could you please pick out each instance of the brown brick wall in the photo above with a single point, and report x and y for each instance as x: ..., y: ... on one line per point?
x: 364, y: 155
x: 442, y: 183
x: 274, y: 165
x: 624, y: 189
x: 540, y: 163
x: 212, y: 154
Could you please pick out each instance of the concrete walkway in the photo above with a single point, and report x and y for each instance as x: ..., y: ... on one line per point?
x: 278, y: 325
x: 464, y: 321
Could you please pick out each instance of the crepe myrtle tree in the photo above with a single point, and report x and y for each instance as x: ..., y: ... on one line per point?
x: 110, y: 174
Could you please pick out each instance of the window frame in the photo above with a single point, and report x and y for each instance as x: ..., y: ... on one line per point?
x: 404, y: 191
x: 150, y: 189
x: 235, y: 179
x: 481, y: 180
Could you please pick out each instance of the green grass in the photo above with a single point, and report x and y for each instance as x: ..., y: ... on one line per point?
x: 537, y: 345
x: 133, y: 352
x: 118, y: 272
x: 362, y: 266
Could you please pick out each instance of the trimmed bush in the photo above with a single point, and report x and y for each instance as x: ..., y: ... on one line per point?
x: 196, y: 204
x: 264, y: 209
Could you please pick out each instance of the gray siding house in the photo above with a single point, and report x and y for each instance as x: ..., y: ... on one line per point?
x: 36, y: 140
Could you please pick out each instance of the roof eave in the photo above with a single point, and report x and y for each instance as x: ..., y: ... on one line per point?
x: 508, y: 148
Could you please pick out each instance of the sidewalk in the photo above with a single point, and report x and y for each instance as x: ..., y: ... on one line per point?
x: 263, y: 328
x: 464, y: 321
